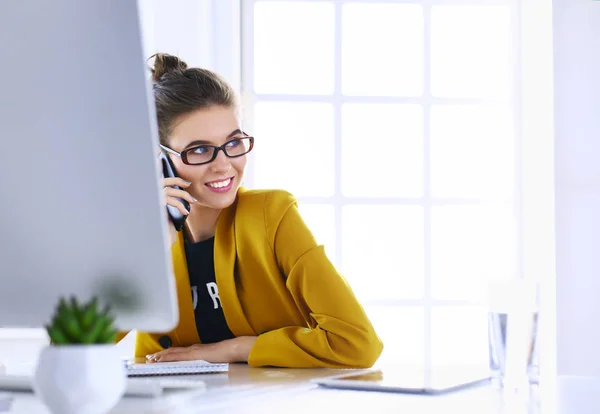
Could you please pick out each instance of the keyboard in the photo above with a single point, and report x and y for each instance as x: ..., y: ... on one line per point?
x: 136, y: 387
x: 5, y: 402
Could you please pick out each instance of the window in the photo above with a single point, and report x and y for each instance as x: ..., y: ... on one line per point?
x: 396, y: 125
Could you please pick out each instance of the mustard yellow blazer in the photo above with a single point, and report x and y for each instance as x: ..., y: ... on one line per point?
x: 275, y: 282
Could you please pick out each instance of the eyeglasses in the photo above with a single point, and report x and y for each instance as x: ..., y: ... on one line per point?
x: 203, y: 154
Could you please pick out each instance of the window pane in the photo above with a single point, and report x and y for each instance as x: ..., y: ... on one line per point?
x: 382, y: 251
x: 401, y: 330
x: 294, y: 147
x: 459, y: 335
x: 321, y: 220
x: 472, y: 151
x: 471, y: 53
x: 382, y: 151
x: 470, y: 245
x: 293, y: 47
x: 382, y: 49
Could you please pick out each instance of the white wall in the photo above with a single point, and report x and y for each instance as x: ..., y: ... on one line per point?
x: 577, y: 175
x: 537, y: 170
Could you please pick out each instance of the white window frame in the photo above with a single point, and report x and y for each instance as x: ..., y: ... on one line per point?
x: 426, y: 101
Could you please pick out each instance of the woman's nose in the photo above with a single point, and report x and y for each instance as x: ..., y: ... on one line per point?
x: 221, y: 163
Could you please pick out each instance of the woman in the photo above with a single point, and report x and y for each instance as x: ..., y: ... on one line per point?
x: 253, y: 285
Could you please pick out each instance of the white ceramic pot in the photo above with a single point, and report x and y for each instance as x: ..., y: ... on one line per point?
x: 80, y: 379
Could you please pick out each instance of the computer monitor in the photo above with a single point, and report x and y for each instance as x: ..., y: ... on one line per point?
x: 82, y: 211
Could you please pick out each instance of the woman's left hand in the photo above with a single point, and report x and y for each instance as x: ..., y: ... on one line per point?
x: 230, y: 350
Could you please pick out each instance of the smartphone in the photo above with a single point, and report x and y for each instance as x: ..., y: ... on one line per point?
x: 175, y: 215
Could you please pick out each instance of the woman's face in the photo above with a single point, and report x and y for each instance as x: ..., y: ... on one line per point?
x: 215, y: 184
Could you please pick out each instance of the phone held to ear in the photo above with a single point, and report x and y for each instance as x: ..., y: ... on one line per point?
x: 175, y: 215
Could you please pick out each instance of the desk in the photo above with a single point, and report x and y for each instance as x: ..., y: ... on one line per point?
x: 272, y: 390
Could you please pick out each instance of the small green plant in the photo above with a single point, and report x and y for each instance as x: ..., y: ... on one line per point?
x: 81, y: 324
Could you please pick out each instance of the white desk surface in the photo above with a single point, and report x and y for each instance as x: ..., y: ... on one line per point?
x: 273, y: 390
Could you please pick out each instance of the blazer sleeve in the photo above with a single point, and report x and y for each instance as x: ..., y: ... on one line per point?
x: 339, y: 334
x: 145, y: 343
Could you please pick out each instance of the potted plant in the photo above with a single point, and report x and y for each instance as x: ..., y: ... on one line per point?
x: 81, y: 370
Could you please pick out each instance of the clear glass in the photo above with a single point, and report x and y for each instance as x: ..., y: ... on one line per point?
x: 294, y: 47
x: 472, y: 151
x: 459, y: 335
x: 320, y: 218
x: 382, y: 49
x: 401, y: 330
x: 513, y: 321
x: 471, y: 51
x: 382, y: 251
x: 382, y: 150
x: 470, y: 246
x: 295, y: 150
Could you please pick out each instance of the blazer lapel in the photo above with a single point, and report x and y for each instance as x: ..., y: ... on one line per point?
x: 186, y: 331
x: 225, y: 261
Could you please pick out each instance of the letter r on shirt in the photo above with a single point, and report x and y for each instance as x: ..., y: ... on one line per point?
x: 213, y: 291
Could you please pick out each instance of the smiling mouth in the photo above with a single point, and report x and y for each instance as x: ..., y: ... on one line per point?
x: 220, y: 184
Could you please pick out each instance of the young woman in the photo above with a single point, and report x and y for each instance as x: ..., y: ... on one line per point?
x: 253, y: 285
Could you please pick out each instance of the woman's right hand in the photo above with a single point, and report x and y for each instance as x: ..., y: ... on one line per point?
x: 172, y: 195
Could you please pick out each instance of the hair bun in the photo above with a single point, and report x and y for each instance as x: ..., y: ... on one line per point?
x: 164, y: 64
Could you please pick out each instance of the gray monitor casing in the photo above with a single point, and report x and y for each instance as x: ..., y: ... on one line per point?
x: 82, y: 211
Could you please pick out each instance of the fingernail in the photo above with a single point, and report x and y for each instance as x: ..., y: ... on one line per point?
x: 195, y: 201
x: 188, y: 182
x: 149, y: 356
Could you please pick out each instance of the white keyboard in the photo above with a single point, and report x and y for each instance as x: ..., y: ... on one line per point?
x: 136, y: 387
x: 5, y: 402
x: 156, y: 386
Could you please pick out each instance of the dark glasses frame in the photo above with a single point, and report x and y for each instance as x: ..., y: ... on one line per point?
x: 184, y: 154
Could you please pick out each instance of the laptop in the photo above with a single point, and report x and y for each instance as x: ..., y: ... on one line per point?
x: 409, y: 379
